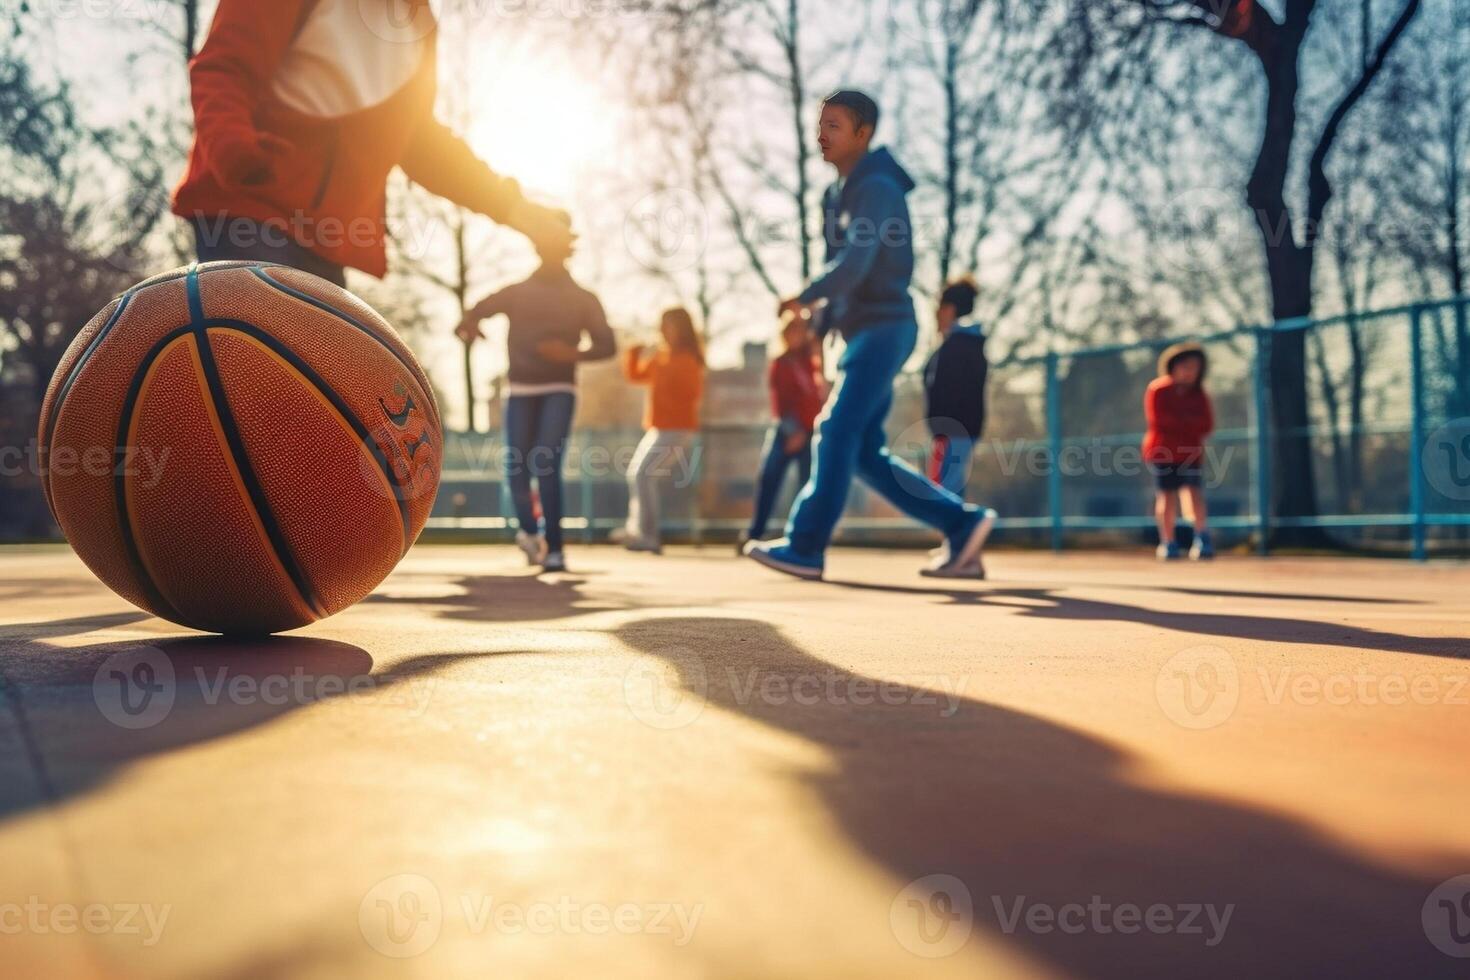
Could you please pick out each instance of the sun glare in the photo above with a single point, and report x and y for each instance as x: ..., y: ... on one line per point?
x: 541, y: 122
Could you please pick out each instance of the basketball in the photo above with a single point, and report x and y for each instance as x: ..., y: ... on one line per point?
x: 240, y: 447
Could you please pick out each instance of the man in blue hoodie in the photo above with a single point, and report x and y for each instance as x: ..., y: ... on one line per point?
x: 865, y: 287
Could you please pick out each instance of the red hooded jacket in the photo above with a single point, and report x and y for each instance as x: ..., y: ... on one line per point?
x: 350, y: 85
x: 796, y: 389
x: 1179, y: 418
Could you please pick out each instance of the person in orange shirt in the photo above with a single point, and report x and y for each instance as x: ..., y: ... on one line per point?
x: 674, y: 373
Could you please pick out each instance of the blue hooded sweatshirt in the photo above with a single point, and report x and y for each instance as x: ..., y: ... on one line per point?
x: 870, y: 247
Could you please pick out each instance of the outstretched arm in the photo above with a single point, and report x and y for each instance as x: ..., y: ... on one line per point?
x: 443, y: 164
x: 469, y: 326
x: 636, y: 367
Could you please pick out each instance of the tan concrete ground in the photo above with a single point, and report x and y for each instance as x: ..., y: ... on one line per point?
x: 689, y: 767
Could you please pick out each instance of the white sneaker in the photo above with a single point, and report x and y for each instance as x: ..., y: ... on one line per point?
x: 554, y: 562
x: 533, y: 546
x: 962, y: 558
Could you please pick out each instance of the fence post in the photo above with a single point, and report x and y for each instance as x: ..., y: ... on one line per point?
x: 1261, y: 426
x: 584, y: 488
x: 1416, y: 429
x: 1054, y: 445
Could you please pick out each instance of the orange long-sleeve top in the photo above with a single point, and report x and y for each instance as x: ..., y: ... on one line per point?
x: 675, y: 380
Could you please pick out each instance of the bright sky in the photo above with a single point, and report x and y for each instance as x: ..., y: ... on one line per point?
x: 551, y: 132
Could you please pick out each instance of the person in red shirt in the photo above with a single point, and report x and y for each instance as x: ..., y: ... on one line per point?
x: 797, y: 393
x: 301, y: 110
x: 1179, y: 419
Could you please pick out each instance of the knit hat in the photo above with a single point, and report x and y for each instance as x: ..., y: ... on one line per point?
x: 1174, y: 352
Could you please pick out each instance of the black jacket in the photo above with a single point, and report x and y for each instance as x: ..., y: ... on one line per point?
x: 954, y: 383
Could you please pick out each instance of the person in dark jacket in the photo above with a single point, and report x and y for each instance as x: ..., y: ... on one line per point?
x: 797, y: 391
x: 954, y: 388
x: 550, y: 316
x: 1179, y: 418
x: 865, y: 286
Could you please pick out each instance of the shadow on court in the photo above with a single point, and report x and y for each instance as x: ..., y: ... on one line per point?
x: 1044, y: 603
x: 523, y: 598
x: 71, y: 717
x: 1027, y: 812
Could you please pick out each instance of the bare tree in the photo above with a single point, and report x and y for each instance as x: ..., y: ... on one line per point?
x: 1122, y: 43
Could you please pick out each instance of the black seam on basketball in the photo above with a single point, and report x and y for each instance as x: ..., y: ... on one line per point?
x: 71, y: 376
x: 338, y: 402
x: 413, y: 369
x: 258, y: 501
x: 217, y: 265
x: 119, y: 480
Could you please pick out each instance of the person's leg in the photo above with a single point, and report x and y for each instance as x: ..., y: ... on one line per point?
x: 954, y: 467
x: 835, y: 446
x: 554, y: 424
x: 220, y: 238
x: 774, y: 462
x: 633, y: 527
x: 1194, y: 507
x: 1194, y: 498
x: 521, y: 414
x: 898, y: 482
x: 804, y: 462
x: 1166, y: 512
x: 938, y: 455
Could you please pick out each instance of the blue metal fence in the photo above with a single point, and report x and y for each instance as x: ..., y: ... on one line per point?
x: 1389, y: 408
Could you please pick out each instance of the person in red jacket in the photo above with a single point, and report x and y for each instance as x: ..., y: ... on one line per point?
x: 1179, y: 418
x: 301, y: 110
x: 797, y: 393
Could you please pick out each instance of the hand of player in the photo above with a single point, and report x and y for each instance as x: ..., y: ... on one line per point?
x: 558, y: 351
x: 545, y: 227
x: 795, y: 442
x: 469, y: 330
x: 250, y: 162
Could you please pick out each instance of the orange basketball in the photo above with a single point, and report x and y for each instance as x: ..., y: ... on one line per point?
x: 240, y: 447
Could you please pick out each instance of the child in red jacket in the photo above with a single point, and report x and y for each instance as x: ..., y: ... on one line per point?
x: 1179, y: 418
x: 797, y: 393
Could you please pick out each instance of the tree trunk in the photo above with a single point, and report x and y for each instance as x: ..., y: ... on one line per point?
x: 798, y: 109
x: 461, y: 295
x: 951, y: 161
x: 1289, y: 271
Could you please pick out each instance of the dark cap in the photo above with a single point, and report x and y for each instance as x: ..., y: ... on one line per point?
x: 961, y: 295
x: 860, y: 105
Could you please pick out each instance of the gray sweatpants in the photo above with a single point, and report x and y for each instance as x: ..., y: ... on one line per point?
x: 661, y: 455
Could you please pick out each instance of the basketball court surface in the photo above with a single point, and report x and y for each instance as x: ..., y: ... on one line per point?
x: 687, y: 766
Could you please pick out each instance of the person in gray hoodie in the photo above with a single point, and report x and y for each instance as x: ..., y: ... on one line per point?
x: 863, y: 294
